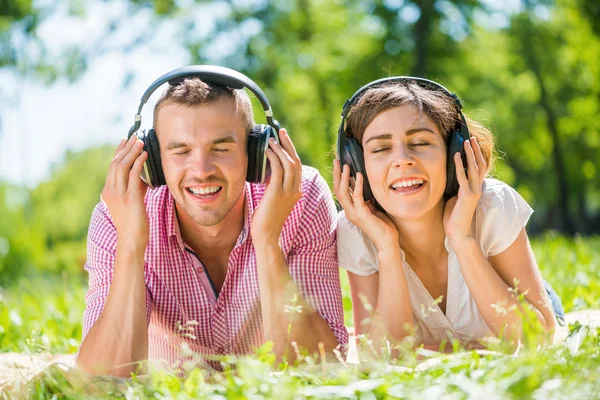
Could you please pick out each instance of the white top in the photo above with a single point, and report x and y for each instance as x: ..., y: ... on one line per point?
x: 499, y: 217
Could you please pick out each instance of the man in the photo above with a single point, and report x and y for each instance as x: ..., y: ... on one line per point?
x: 209, y: 261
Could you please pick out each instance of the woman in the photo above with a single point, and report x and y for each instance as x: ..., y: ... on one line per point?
x: 439, y: 248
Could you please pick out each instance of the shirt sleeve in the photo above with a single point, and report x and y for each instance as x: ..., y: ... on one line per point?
x: 312, y: 260
x: 101, y: 255
x: 501, y: 215
x: 356, y: 253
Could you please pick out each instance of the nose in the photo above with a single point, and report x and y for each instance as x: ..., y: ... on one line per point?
x: 403, y: 156
x: 202, y: 165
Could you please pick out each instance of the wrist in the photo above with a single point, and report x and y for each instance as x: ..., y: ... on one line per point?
x: 132, y: 245
x: 389, y: 255
x: 387, y: 244
x: 266, y: 239
x: 266, y: 245
x: 460, y: 241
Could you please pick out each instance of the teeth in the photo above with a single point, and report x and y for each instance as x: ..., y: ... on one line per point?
x: 407, y: 183
x: 206, y: 190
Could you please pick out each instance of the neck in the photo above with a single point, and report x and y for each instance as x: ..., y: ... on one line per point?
x: 422, y: 239
x: 218, y: 239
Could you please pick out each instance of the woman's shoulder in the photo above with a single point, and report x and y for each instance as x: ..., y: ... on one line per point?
x: 498, y: 194
x: 501, y: 215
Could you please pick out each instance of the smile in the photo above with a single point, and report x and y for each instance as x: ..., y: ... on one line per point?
x: 204, y: 194
x: 408, y: 186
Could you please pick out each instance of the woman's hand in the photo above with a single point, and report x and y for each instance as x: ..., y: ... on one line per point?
x: 375, y: 224
x: 459, y: 210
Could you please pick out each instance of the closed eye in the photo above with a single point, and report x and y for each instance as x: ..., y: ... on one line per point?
x: 380, y: 149
x: 182, y: 153
x: 221, y: 150
x: 420, y: 144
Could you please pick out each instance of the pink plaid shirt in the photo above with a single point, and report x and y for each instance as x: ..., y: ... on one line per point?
x: 181, y: 304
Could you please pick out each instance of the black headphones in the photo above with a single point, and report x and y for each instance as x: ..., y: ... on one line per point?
x: 350, y: 150
x: 258, y: 141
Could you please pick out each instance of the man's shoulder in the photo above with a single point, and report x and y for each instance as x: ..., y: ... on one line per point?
x: 313, y: 183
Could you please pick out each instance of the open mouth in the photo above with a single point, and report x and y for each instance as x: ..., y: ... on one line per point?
x: 408, y: 185
x: 205, y: 192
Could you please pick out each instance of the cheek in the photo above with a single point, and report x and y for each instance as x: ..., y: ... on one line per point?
x: 170, y: 165
x: 436, y: 165
x: 375, y: 169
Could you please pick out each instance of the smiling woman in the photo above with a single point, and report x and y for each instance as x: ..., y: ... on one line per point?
x: 435, y: 250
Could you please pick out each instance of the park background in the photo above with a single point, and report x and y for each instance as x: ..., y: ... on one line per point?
x: 72, y: 73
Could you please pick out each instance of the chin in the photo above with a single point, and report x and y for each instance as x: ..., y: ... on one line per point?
x: 208, y: 220
x: 406, y: 209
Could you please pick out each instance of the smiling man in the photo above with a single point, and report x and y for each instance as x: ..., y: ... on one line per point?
x: 208, y: 261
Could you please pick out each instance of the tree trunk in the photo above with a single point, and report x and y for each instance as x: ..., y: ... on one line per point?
x: 422, y: 32
x: 528, y: 50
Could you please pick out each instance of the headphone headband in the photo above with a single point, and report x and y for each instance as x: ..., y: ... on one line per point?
x: 211, y: 74
x: 425, y: 83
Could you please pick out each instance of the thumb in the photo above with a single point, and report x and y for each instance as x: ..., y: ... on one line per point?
x: 449, y: 207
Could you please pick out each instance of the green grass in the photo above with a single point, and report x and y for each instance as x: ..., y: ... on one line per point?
x: 45, y: 316
x: 42, y: 315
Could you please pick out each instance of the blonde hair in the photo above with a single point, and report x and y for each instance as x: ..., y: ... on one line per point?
x: 435, y: 104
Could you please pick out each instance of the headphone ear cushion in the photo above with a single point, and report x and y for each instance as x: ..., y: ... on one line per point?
x: 151, y: 145
x: 455, y: 145
x: 354, y: 157
x: 256, y: 154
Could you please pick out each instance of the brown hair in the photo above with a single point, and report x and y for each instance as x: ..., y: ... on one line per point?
x: 193, y: 92
x: 435, y: 104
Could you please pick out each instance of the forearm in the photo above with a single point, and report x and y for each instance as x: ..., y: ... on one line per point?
x: 302, y: 324
x: 392, y: 317
x: 119, y: 337
x: 488, y: 289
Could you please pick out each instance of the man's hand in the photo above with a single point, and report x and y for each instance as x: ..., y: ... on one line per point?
x: 124, y: 192
x: 283, y: 191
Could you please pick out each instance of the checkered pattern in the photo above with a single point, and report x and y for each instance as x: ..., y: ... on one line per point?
x: 182, y: 310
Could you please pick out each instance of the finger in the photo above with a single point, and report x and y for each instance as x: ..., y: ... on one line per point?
x: 479, y: 157
x: 288, y: 164
x: 126, y: 148
x: 136, y: 171
x: 114, y: 164
x: 357, y: 195
x: 124, y: 166
x: 460, y: 171
x: 344, y: 189
x: 288, y: 145
x: 120, y: 146
x: 276, y: 169
x: 336, y: 177
x: 472, y: 169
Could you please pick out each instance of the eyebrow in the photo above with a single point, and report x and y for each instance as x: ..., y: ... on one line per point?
x: 387, y: 136
x: 230, y: 138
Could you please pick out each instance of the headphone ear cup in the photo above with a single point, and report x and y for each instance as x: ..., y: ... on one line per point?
x: 154, y: 164
x: 354, y: 157
x: 257, y: 142
x: 455, y: 145
x: 268, y: 133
